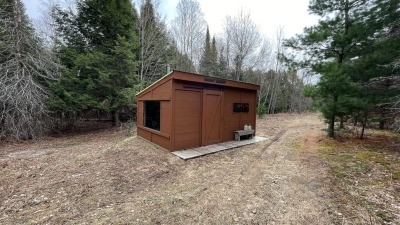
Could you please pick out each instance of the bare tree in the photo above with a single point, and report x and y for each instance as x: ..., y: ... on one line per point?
x: 45, y: 23
x: 243, y: 39
x: 25, y: 66
x: 278, y: 70
x: 188, y: 29
x: 263, y: 63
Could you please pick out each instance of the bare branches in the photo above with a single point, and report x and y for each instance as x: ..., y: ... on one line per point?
x: 244, y: 39
x: 24, y: 69
x: 153, y: 41
x: 188, y: 29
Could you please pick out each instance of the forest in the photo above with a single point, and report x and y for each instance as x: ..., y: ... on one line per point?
x: 88, y: 59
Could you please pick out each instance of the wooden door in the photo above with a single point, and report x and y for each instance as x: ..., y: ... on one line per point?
x: 187, y: 119
x: 212, y: 117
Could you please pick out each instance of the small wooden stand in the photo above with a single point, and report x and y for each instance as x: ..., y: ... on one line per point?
x: 240, y: 133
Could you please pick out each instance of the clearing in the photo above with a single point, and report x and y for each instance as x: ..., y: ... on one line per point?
x: 296, y: 176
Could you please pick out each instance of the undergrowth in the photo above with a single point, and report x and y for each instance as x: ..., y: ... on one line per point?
x: 365, y: 176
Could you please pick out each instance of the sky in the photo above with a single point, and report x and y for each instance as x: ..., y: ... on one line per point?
x: 291, y: 15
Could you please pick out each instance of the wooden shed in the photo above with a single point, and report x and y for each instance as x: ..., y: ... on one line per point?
x: 186, y: 110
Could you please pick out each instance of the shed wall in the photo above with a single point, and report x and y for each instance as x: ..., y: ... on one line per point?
x: 163, y: 93
x: 187, y: 112
x: 236, y: 120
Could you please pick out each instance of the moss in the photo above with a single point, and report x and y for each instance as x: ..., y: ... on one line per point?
x: 385, y: 216
x: 297, y: 146
x: 327, y: 146
x: 396, y: 176
x: 372, y: 156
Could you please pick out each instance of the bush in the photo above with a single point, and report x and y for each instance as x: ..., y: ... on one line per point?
x: 261, y: 110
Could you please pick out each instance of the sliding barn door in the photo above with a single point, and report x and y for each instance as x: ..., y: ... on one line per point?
x: 212, y: 117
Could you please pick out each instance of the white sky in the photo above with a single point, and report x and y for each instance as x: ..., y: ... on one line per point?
x: 292, y: 15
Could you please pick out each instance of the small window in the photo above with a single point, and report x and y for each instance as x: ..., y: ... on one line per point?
x: 152, y: 114
x: 240, y: 107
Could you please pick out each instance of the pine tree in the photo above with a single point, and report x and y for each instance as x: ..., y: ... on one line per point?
x: 222, y: 65
x: 214, y: 58
x: 153, y: 44
x: 99, y: 51
x: 206, y: 57
x: 25, y: 68
x: 177, y: 60
x: 345, y: 32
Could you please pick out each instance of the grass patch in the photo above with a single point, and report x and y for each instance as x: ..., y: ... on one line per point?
x: 376, y: 157
x: 365, y: 176
x: 396, y: 175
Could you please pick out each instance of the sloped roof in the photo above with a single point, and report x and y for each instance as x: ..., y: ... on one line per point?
x: 199, y: 78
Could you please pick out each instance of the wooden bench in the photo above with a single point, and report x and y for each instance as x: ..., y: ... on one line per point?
x: 240, y: 133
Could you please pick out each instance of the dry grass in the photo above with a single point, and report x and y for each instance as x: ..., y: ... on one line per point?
x: 106, y: 177
x: 364, y: 177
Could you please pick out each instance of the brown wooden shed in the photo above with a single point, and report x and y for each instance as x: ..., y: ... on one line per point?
x: 186, y: 110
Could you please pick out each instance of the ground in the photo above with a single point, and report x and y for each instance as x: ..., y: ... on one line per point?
x: 297, y: 176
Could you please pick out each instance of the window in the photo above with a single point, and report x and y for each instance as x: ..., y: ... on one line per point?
x: 240, y: 107
x: 152, y: 114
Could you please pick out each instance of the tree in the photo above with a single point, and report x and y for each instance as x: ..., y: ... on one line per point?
x: 378, y: 83
x: 343, y: 33
x: 205, y: 66
x: 348, y: 48
x: 214, y: 57
x: 25, y: 67
x: 177, y: 60
x: 45, y: 23
x: 278, y: 69
x: 222, y: 69
x: 188, y: 29
x: 153, y: 44
x: 99, y: 50
x: 242, y: 39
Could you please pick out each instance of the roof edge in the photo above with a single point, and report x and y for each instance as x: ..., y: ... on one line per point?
x: 198, y: 74
x: 155, y: 82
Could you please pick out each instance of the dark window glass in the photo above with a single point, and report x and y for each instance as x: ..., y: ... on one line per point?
x: 241, y: 107
x: 152, y: 114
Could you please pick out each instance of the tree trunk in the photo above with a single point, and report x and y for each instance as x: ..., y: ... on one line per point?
x: 355, y: 120
x: 382, y: 124
x: 115, y: 116
x: 331, y: 128
x: 2, y: 126
x: 341, y: 126
x: 364, y: 122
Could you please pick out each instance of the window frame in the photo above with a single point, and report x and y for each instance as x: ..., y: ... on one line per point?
x: 146, y: 115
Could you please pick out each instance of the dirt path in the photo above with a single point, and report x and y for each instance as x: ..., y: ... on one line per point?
x: 128, y: 180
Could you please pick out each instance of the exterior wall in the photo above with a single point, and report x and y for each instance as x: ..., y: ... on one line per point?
x: 231, y: 119
x: 236, y: 120
x: 247, y: 96
x: 163, y: 93
x: 187, y: 114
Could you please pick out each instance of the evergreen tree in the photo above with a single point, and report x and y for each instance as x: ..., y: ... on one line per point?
x: 153, y: 44
x: 177, y: 60
x: 206, y: 57
x: 25, y: 68
x: 222, y: 65
x: 214, y: 58
x: 343, y: 37
x: 99, y: 50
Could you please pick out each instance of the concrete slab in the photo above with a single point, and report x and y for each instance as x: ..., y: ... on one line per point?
x: 204, y: 150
